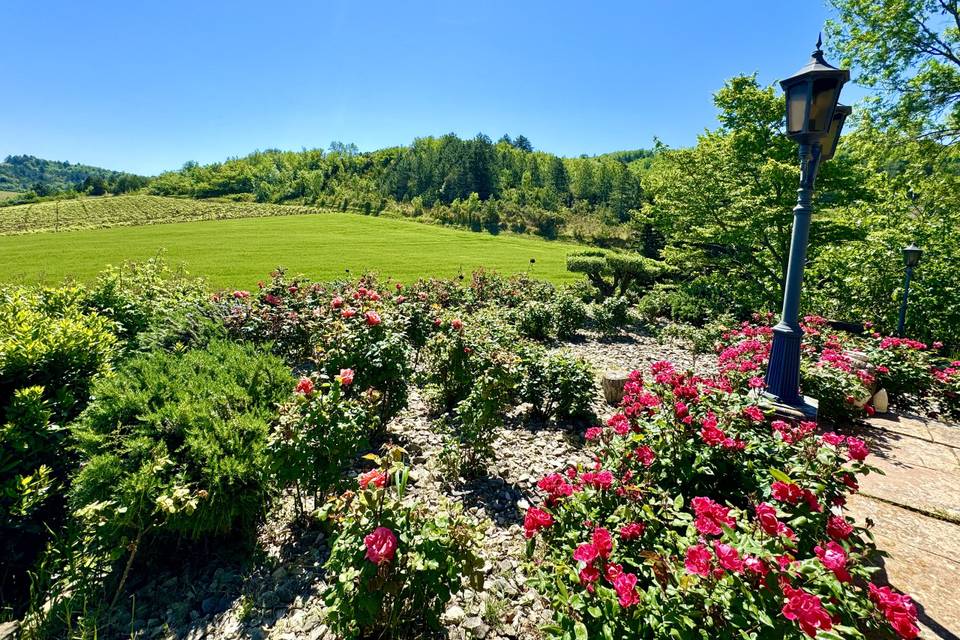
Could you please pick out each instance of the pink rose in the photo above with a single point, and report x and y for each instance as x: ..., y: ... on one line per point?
x: 535, y: 520
x: 806, y: 610
x: 698, y: 560
x: 381, y: 545
x: 346, y: 377
x: 372, y: 318
x: 376, y: 477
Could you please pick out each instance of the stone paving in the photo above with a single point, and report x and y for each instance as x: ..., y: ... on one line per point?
x: 915, y: 508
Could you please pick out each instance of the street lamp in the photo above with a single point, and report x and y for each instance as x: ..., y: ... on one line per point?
x: 814, y: 120
x: 911, y: 258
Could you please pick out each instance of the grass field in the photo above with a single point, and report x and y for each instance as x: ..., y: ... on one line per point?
x: 130, y: 210
x: 6, y: 195
x: 238, y: 253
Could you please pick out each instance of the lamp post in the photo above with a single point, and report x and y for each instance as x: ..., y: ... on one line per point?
x: 911, y: 258
x: 814, y: 120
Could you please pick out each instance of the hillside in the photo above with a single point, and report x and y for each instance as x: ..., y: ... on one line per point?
x: 26, y: 173
x: 237, y: 253
x: 130, y: 210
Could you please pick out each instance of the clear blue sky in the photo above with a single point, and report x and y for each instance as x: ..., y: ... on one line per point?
x: 146, y: 86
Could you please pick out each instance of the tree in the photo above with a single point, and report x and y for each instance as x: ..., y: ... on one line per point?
x: 724, y: 205
x: 910, y: 51
x: 521, y: 142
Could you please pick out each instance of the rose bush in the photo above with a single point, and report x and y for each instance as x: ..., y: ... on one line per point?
x: 318, y: 433
x: 701, y: 516
x: 395, y: 562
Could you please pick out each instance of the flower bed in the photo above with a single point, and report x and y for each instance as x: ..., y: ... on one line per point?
x: 701, y: 516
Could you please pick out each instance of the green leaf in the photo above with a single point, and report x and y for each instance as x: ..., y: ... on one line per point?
x: 580, y: 630
x: 781, y: 476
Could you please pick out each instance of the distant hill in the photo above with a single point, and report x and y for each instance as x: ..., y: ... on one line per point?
x: 25, y: 173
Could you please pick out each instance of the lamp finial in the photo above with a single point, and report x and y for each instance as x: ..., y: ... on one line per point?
x: 819, y: 40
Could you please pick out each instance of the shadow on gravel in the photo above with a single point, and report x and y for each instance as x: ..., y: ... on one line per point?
x: 497, y: 497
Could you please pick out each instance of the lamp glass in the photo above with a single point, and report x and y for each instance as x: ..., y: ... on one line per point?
x: 830, y: 140
x: 797, y: 106
x: 825, y: 95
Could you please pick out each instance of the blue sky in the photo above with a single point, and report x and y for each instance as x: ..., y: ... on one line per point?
x: 146, y: 86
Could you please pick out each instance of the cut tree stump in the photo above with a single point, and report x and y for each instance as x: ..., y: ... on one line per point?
x: 613, y: 383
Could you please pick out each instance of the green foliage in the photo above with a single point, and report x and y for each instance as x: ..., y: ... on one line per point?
x: 50, y: 351
x: 43, y: 177
x: 569, y: 315
x: 611, y: 315
x: 150, y: 295
x: 625, y: 269
x: 535, y: 320
x: 909, y: 51
x: 317, y: 435
x: 176, y: 444
x: 404, y: 591
x: 558, y: 385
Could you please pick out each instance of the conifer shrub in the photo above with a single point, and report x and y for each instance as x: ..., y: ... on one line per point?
x: 176, y: 444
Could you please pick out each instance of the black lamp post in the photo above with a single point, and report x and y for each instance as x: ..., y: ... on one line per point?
x: 911, y: 258
x: 814, y: 120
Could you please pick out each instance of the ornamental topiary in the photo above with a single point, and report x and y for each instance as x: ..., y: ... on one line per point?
x: 395, y: 562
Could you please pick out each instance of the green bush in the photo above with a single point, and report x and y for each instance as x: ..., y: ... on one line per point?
x: 611, y: 315
x: 176, y: 444
x: 50, y: 351
x: 558, y: 385
x: 535, y: 320
x: 625, y: 270
x: 139, y: 294
x: 569, y: 315
x: 318, y: 434
x: 395, y: 563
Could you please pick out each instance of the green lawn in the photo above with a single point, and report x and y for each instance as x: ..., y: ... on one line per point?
x: 238, y: 253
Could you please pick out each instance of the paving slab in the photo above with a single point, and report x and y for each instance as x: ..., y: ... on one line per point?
x: 924, y: 561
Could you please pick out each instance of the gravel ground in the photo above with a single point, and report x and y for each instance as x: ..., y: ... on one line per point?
x: 228, y: 596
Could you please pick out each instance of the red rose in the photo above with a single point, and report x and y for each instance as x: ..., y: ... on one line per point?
x: 767, y: 517
x: 305, y: 386
x: 806, y: 610
x: 834, y: 439
x: 626, y: 587
x: 337, y: 302
x: 710, y: 516
x: 535, y: 520
x: 375, y: 476
x: 349, y: 312
x: 834, y: 558
x: 586, y: 552
x: 593, y: 433
x: 645, y: 455
x: 857, y: 449
x: 457, y: 324
x: 753, y: 413
x: 698, y: 560
x: 632, y: 531
x: 838, y: 528
x: 786, y: 492
x: 603, y: 542
x: 728, y: 557
x: 381, y: 545
x: 372, y: 317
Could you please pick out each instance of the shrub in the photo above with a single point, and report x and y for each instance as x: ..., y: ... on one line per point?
x: 569, y: 315
x: 176, y: 444
x: 368, y: 338
x: 535, y: 320
x: 50, y: 351
x: 139, y: 294
x: 612, y: 314
x: 947, y: 386
x: 700, y: 518
x: 319, y: 433
x: 468, y: 441
x: 558, y: 385
x: 395, y: 563
x: 624, y: 269
x: 903, y: 366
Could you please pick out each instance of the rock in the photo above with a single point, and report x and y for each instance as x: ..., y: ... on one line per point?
x: 455, y: 614
x: 8, y: 630
x: 476, y: 627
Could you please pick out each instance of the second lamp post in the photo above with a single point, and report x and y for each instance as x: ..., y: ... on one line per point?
x: 814, y: 120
